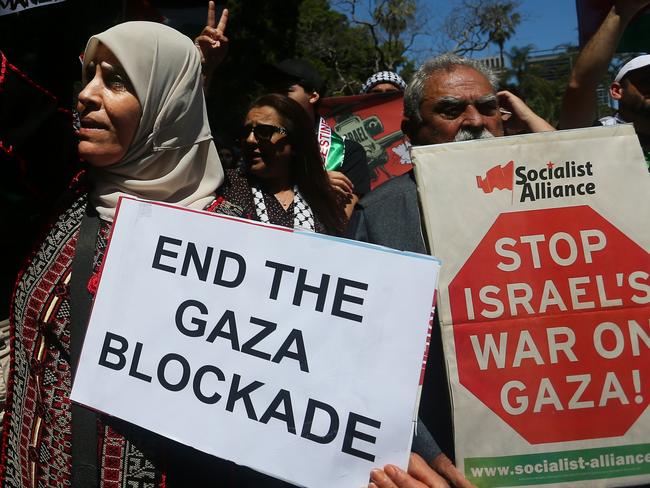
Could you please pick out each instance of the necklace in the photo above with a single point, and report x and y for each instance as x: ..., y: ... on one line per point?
x: 285, y: 197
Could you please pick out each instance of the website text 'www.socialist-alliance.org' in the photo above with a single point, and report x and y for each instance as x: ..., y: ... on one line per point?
x: 555, y: 467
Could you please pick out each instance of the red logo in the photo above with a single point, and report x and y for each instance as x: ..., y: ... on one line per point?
x: 499, y: 177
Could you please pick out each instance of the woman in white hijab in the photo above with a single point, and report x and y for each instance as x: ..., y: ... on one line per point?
x: 172, y: 157
x: 144, y: 132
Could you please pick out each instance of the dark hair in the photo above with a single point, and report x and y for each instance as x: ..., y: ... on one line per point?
x: 307, y: 169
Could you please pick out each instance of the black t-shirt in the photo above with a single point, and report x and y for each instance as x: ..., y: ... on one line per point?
x: 355, y: 167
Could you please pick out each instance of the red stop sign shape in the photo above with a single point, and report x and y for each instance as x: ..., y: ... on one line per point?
x: 552, y: 324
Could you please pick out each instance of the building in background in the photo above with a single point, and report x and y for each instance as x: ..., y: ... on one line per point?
x: 552, y: 64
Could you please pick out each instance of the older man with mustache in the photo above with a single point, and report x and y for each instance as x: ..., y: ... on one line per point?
x: 449, y: 99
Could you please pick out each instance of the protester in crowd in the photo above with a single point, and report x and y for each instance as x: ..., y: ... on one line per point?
x: 456, y: 99
x: 227, y: 156
x: 449, y: 99
x: 228, y: 152
x: 384, y: 82
x: 631, y: 86
x: 345, y: 160
x: 283, y: 180
x: 131, y: 109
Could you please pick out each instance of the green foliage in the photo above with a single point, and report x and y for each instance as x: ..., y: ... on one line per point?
x: 393, y: 19
x: 362, y: 37
x: 347, y: 47
x: 475, y: 24
x: 386, y: 30
x: 408, y: 70
x: 342, y: 53
x: 395, y: 16
x: 260, y: 31
x: 499, y: 20
x: 541, y: 94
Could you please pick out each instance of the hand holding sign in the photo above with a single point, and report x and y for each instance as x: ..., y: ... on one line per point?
x: 419, y: 475
x: 545, y: 303
x: 257, y: 332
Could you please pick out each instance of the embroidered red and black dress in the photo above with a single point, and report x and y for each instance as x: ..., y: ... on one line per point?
x: 36, y: 435
x: 37, y: 439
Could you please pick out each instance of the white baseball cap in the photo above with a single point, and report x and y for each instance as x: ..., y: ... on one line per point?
x: 636, y: 63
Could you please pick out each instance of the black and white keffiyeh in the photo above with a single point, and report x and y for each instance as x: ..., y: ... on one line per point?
x: 383, y: 77
x: 303, y: 217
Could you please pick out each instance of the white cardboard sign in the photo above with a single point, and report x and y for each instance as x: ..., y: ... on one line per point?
x: 310, y: 345
x: 544, y: 304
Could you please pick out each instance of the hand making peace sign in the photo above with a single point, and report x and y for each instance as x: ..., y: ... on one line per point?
x: 212, y: 42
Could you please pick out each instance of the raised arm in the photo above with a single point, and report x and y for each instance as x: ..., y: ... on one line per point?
x: 519, y: 117
x: 212, y: 43
x: 579, y: 104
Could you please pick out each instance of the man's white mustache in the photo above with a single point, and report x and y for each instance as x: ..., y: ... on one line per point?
x: 469, y: 135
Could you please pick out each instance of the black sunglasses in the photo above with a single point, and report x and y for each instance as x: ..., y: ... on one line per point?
x: 263, y: 132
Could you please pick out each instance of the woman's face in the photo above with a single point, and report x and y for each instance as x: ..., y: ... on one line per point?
x: 109, y: 111
x: 266, y: 157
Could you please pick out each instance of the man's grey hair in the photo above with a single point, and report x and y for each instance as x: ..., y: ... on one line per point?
x: 445, y: 62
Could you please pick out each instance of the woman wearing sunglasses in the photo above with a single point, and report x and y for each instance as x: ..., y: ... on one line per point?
x: 283, y: 181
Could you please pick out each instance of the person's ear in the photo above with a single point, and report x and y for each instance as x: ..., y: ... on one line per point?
x: 616, y: 90
x: 314, y: 97
x: 409, y: 128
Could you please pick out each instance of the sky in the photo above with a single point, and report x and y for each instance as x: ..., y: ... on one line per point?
x: 546, y: 23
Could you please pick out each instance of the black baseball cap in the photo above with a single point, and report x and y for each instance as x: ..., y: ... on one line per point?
x: 300, y: 71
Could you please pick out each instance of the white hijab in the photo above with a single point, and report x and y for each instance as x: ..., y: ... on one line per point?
x: 172, y: 157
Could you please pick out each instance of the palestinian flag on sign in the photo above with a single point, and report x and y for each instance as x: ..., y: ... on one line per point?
x: 374, y: 122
